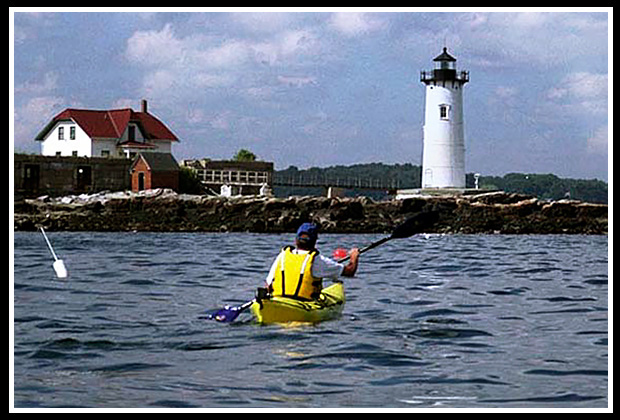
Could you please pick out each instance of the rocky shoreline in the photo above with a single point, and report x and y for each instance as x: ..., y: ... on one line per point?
x: 163, y: 210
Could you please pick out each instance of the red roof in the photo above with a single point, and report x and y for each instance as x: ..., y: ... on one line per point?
x: 112, y: 123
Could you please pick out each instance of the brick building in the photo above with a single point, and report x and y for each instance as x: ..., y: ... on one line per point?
x: 154, y: 170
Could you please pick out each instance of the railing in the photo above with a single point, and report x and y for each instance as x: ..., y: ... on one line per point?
x: 340, y: 182
x: 441, y: 75
x: 209, y: 176
x: 260, y: 178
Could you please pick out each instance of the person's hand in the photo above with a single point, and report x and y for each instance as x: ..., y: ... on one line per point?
x: 350, y: 269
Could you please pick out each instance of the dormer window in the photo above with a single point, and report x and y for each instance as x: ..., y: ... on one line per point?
x: 131, y: 134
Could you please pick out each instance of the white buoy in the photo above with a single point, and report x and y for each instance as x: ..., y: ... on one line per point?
x: 59, y: 265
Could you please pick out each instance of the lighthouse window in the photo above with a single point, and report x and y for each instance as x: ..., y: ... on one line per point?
x: 443, y: 112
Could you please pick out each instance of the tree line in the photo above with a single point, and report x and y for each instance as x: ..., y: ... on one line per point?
x: 543, y: 186
x: 549, y: 186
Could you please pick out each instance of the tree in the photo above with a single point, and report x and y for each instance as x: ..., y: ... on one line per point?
x: 244, y: 155
x: 189, y: 183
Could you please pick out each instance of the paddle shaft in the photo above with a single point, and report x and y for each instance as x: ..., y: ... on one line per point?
x: 367, y: 248
x: 49, y: 244
x: 406, y: 229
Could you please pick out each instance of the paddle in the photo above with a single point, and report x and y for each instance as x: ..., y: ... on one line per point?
x: 59, y: 265
x: 410, y: 227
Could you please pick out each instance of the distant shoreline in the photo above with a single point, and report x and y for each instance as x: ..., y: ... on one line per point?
x: 163, y: 210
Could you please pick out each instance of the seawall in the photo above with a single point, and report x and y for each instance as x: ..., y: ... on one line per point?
x: 166, y: 211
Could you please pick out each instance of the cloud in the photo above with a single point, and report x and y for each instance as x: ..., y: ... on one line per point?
x: 221, y: 120
x: 504, y: 40
x: 583, y: 91
x: 597, y: 143
x: 506, y: 92
x: 38, y: 106
x: 47, y: 85
x: 159, y: 83
x: 32, y: 116
x: 210, y: 80
x: 261, y: 22
x: 286, y: 46
x: 297, y: 81
x: 123, y: 103
x: 228, y: 54
x: 151, y: 48
x: 581, y: 85
x: 178, y: 68
x: 165, y: 49
x: 28, y: 24
x: 36, y: 101
x: 297, y: 41
x: 353, y: 24
x: 531, y: 19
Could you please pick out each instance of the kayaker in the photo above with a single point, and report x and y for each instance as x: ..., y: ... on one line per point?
x: 299, y: 271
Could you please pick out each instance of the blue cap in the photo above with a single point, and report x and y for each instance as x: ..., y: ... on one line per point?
x: 310, y: 231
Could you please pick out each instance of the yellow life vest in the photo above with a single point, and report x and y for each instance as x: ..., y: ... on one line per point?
x: 293, y: 276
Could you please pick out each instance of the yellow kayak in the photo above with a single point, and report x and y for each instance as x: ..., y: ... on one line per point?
x: 279, y: 309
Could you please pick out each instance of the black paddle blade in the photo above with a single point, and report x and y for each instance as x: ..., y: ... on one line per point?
x: 409, y: 227
x: 415, y: 224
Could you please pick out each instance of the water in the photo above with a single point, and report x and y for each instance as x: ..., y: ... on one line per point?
x: 431, y: 321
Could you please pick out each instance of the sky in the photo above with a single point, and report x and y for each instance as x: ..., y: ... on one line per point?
x: 323, y: 87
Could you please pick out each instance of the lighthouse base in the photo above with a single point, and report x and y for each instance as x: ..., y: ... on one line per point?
x: 438, y: 192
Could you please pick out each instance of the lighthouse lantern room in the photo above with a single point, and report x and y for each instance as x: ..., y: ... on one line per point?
x: 443, y: 161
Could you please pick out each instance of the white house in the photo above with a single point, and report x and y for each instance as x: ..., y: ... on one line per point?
x: 116, y: 133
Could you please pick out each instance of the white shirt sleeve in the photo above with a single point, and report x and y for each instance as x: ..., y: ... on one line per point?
x: 324, y: 267
x: 272, y: 273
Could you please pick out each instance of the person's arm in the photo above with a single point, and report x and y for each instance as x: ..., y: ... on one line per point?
x: 350, y: 269
x: 271, y: 275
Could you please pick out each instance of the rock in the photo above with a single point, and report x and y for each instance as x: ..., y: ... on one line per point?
x: 164, y: 210
x: 498, y: 197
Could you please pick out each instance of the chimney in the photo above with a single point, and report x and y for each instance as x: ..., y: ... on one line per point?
x: 144, y: 106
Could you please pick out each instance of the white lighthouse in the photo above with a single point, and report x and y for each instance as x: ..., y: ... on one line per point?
x: 443, y: 161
